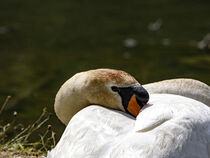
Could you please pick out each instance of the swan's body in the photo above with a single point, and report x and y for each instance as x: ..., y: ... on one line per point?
x: 170, y: 126
x: 185, y: 87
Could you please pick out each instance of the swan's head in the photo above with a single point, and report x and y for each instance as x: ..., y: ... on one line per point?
x: 114, y: 89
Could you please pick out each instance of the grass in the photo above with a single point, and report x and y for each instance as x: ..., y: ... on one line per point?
x: 15, y: 138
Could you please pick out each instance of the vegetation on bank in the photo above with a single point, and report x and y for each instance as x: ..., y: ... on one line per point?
x: 15, y: 138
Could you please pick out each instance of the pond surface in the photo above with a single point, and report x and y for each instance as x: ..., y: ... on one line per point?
x: 43, y: 43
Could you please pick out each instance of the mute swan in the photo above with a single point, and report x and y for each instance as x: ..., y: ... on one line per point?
x: 168, y: 126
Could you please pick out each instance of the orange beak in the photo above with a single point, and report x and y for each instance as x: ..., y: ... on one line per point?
x: 134, y: 97
x: 133, y: 107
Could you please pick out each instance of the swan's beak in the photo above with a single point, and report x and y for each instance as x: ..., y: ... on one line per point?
x: 134, y: 97
x: 133, y: 107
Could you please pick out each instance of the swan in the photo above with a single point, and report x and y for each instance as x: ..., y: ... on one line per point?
x: 168, y: 125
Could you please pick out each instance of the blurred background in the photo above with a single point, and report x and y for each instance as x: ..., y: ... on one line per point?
x: 43, y: 43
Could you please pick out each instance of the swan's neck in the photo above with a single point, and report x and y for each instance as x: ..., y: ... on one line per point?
x: 65, y: 108
x: 185, y: 87
x: 80, y: 91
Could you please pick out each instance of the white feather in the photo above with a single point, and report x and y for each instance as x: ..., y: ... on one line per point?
x: 171, y: 126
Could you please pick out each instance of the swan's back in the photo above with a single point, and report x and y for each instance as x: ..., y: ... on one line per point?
x: 171, y: 126
x: 185, y: 87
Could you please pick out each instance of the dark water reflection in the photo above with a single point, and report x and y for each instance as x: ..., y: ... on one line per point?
x: 43, y: 43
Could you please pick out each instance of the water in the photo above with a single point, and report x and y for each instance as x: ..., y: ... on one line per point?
x: 43, y: 43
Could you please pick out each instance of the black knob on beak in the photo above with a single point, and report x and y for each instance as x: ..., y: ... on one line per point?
x: 134, y: 97
x: 141, y: 94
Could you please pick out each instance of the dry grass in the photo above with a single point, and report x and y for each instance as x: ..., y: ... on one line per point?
x: 14, y: 154
x: 15, y: 138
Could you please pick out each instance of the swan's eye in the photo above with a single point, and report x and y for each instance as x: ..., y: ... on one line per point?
x: 133, y: 97
x: 115, y: 89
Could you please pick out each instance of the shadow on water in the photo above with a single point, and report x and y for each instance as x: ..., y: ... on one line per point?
x: 43, y: 43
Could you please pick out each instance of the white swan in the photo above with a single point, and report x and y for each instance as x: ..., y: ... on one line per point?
x: 169, y: 126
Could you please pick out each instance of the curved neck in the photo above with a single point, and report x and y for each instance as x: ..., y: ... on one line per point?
x: 65, y: 108
x: 185, y: 87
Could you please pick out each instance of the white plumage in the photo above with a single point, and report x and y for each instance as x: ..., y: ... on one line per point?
x: 169, y: 126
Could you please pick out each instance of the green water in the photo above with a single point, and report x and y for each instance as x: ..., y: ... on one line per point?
x: 43, y: 43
